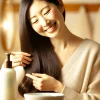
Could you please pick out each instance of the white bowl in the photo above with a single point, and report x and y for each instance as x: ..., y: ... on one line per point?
x: 43, y: 96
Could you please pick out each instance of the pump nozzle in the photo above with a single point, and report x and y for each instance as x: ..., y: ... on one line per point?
x: 8, y: 61
x: 8, y: 56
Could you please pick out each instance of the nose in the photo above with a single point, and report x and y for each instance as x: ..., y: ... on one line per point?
x: 44, y: 22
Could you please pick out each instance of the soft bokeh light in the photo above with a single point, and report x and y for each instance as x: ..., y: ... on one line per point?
x: 8, y: 22
x: 6, y: 25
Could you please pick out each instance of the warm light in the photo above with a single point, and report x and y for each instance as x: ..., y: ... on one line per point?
x: 6, y: 25
x: 8, y: 31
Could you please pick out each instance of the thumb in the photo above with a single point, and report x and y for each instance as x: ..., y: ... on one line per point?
x: 38, y: 75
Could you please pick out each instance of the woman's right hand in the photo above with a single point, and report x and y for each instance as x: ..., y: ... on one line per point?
x: 20, y: 59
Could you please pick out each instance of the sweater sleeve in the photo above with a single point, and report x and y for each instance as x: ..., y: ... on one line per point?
x: 93, y: 89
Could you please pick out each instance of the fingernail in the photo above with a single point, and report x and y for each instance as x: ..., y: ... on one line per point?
x: 28, y: 54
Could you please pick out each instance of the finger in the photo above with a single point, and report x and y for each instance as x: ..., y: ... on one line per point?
x: 39, y: 75
x: 27, y: 58
x: 37, y: 87
x: 21, y: 60
x: 30, y: 76
x: 18, y: 64
x: 23, y: 57
x: 36, y: 83
x: 33, y: 77
x: 20, y: 53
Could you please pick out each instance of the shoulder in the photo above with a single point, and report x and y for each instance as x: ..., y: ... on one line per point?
x: 92, y: 45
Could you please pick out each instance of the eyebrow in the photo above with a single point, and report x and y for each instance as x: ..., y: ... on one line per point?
x: 40, y: 11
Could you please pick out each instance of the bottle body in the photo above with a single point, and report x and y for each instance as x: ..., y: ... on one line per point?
x: 8, y: 84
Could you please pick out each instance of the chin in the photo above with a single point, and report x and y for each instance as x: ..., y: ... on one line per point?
x: 53, y: 35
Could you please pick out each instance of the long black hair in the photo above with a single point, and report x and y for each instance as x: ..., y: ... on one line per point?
x: 44, y: 59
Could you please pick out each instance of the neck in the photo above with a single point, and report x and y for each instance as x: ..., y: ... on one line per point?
x: 64, y: 40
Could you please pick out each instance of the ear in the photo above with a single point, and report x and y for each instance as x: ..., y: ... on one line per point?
x: 61, y: 6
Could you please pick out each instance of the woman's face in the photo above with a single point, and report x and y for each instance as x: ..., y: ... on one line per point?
x: 46, y: 18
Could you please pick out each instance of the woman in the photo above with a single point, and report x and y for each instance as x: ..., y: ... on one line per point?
x: 54, y: 59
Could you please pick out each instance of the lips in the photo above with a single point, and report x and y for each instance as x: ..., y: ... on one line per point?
x: 51, y: 28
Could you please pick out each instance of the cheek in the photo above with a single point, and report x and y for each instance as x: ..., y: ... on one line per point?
x: 55, y: 14
x: 37, y: 28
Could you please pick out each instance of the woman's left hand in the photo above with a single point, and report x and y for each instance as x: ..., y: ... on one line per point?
x: 44, y: 82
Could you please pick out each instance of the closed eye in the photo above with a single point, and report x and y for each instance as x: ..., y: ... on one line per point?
x: 47, y: 12
x: 35, y: 22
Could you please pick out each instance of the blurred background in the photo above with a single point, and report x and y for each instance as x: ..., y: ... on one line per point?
x: 82, y: 19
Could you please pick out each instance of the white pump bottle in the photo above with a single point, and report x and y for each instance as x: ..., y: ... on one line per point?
x: 8, y: 81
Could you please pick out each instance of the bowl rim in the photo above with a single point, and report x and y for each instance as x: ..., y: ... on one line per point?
x: 47, y: 94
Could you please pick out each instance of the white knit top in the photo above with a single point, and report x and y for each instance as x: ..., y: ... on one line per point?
x: 81, y: 73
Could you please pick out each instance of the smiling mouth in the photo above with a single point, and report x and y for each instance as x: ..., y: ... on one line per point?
x: 52, y: 28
